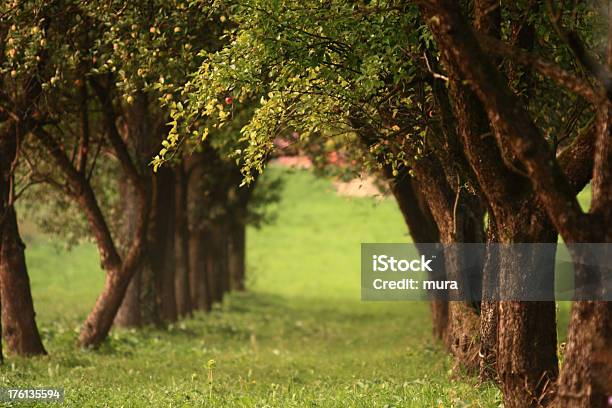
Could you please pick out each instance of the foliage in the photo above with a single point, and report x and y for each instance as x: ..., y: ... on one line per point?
x: 56, y: 49
x: 312, y: 66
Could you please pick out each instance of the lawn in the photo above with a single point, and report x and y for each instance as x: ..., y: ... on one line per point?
x: 299, y: 337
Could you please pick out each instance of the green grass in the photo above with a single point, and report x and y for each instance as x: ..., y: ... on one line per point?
x: 299, y: 337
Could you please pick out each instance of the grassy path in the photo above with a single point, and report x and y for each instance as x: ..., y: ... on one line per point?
x: 299, y: 337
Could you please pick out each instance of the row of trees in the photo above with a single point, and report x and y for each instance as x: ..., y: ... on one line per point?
x: 486, y: 118
x: 480, y: 111
x: 84, y: 95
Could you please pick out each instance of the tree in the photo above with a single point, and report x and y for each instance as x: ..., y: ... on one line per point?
x: 107, y: 76
x: 18, y: 317
x: 578, y: 385
x: 20, y: 70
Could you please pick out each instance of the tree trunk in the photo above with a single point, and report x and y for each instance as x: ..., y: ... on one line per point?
x: 18, y: 317
x: 526, y: 361
x: 119, y: 272
x: 150, y: 307
x: 489, y: 307
x: 238, y: 198
x: 439, y: 317
x: 161, y: 242
x: 141, y: 303
x: 586, y: 376
x: 129, y: 313
x: 216, y: 257
x: 586, y: 373
x: 489, y: 321
x: 143, y: 295
x: 197, y: 219
x: 100, y: 319
x: 224, y: 259
x: 515, y: 128
x: 198, y: 270
x: 463, y: 320
x: 181, y: 244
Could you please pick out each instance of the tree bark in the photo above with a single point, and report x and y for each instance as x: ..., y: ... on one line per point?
x: 526, y: 359
x: 489, y: 308
x: 489, y: 323
x: 526, y: 371
x: 18, y: 318
x: 586, y: 376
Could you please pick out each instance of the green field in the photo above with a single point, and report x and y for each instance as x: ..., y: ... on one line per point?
x: 299, y: 337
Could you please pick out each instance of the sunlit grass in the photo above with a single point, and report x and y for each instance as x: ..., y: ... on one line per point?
x: 299, y: 337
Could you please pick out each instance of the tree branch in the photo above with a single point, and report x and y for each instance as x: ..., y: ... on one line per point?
x: 115, y: 138
x: 576, y: 160
x: 85, y: 197
x: 509, y: 118
x: 575, y: 44
x: 548, y: 69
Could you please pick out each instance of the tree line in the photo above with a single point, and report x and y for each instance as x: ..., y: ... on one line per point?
x: 486, y: 119
x: 81, y: 116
